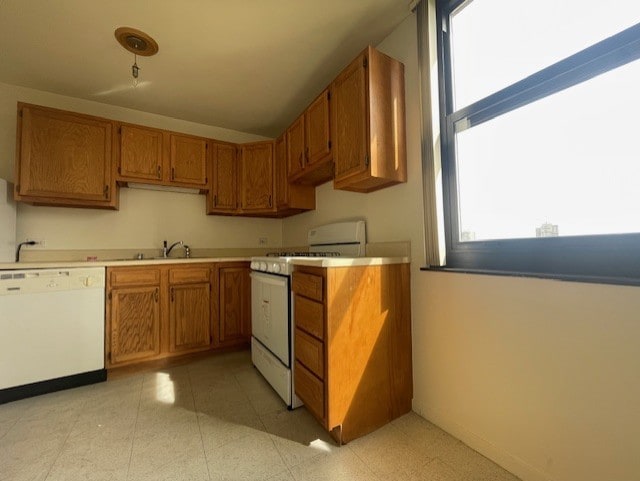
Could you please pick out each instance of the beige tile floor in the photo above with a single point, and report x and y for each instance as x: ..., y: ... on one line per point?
x: 213, y: 419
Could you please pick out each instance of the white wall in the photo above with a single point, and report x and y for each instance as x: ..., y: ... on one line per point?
x: 542, y: 376
x: 145, y: 218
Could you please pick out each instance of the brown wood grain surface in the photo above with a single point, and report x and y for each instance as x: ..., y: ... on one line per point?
x: 189, y: 320
x: 309, y: 316
x: 188, y: 160
x: 309, y: 352
x: 295, y: 148
x: 141, y: 153
x: 64, y: 158
x: 257, y: 177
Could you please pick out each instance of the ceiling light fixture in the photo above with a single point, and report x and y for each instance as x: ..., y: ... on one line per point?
x: 138, y: 43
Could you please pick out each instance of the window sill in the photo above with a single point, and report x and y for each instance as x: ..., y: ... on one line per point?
x: 620, y: 281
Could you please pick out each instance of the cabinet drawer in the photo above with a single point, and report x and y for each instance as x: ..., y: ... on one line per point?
x: 309, y: 316
x: 310, y: 352
x: 143, y: 276
x: 189, y: 275
x: 308, y: 285
x: 310, y: 389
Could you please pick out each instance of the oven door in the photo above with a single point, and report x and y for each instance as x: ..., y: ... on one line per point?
x: 270, y: 314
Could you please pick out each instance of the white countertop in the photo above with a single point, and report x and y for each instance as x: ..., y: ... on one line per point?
x: 348, y: 261
x: 116, y: 263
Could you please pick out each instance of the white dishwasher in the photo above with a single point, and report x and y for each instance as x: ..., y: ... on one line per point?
x: 51, y: 330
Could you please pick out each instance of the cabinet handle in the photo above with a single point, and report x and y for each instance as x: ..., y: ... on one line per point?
x: 155, y: 296
x: 173, y: 173
x: 215, y: 200
x: 366, y: 160
x: 269, y: 201
x: 106, y: 191
x: 159, y: 171
x: 172, y: 296
x: 306, y: 154
x: 300, y: 159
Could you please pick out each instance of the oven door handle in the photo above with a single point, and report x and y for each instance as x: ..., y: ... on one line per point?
x: 270, y: 279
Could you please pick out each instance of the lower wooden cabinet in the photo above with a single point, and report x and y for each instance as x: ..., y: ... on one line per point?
x: 352, y: 340
x: 153, y: 312
x: 189, y: 308
x: 135, y: 324
x: 234, y: 303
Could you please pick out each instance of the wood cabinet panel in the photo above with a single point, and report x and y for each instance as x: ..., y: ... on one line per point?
x: 309, y: 352
x: 289, y: 198
x: 191, y: 274
x: 223, y: 197
x: 309, y: 144
x: 317, y: 133
x: 366, y: 361
x: 141, y: 153
x: 349, y: 120
x: 188, y: 160
x: 368, y: 123
x: 234, y: 314
x: 135, y: 324
x: 257, y: 177
x: 189, y: 318
x: 308, y: 285
x: 309, y: 316
x: 64, y: 158
x: 135, y: 276
x: 295, y: 148
x: 311, y: 390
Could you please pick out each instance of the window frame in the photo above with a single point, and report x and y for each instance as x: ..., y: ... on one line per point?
x: 588, y: 257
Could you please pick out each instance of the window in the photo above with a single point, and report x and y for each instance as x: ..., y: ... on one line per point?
x: 540, y: 140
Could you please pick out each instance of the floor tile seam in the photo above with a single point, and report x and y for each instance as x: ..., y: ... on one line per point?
x: 313, y: 458
x: 64, y: 443
x: 9, y: 429
x: 204, y: 451
x: 366, y: 465
x: 275, y: 445
x: 135, y: 427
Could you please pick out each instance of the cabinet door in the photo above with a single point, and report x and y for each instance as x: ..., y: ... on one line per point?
x: 256, y: 164
x: 224, y: 166
x: 349, y: 120
x: 317, y: 136
x: 188, y: 161
x: 189, y: 321
x: 140, y: 153
x: 235, y: 300
x: 64, y: 158
x: 295, y: 148
x: 282, y: 181
x: 135, y: 324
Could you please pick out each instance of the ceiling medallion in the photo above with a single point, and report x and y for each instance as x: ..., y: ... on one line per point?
x: 138, y: 43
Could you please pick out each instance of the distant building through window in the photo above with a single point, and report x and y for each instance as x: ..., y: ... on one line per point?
x: 547, y: 230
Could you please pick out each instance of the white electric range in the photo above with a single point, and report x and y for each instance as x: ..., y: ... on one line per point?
x: 272, y: 320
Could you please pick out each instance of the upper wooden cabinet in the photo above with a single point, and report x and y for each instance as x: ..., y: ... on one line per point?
x: 290, y: 198
x: 257, y: 178
x: 368, y: 123
x: 141, y: 153
x: 64, y: 159
x: 156, y: 156
x: 188, y: 160
x: 309, y: 144
x: 222, y: 197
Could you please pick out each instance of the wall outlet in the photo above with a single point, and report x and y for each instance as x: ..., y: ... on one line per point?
x: 40, y: 244
x: 262, y: 241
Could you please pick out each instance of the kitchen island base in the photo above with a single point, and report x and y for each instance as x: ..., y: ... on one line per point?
x: 353, y: 369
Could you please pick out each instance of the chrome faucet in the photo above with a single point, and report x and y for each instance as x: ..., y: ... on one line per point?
x: 166, y: 251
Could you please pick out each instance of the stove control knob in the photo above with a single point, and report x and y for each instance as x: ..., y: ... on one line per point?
x: 254, y: 265
x: 262, y: 267
x: 275, y: 268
